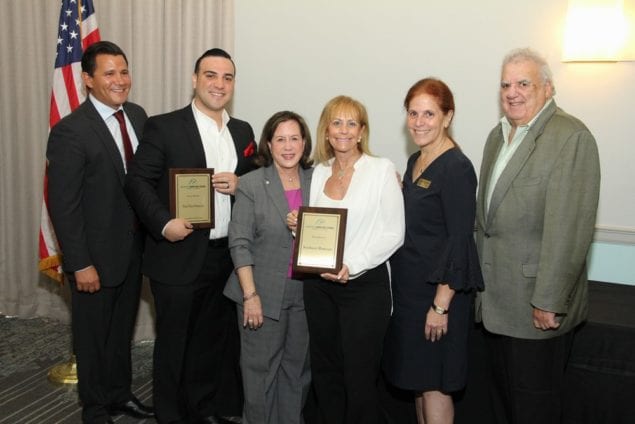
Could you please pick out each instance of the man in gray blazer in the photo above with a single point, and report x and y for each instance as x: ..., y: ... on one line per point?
x: 537, y: 202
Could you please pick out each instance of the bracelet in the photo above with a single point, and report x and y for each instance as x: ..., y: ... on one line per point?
x: 439, y: 310
x: 250, y: 296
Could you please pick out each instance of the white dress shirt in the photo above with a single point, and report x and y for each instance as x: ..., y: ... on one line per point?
x: 220, y: 154
x: 375, y: 222
x: 507, y: 150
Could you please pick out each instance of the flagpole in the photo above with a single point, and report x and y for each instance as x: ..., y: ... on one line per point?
x: 79, y: 17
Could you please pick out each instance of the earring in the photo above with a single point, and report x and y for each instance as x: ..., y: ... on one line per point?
x: 359, y: 140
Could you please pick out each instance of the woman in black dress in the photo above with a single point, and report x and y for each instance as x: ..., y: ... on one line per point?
x: 436, y: 272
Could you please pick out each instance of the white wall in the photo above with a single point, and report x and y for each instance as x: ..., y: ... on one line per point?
x: 298, y: 54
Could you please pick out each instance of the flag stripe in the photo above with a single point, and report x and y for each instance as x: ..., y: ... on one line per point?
x: 53, y: 118
x: 60, y: 96
x: 69, y: 88
x: 77, y: 80
x: 90, y: 31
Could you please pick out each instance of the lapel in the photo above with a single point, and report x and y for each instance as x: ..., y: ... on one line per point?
x: 192, y: 136
x: 236, y: 137
x: 105, y: 138
x: 492, y: 149
x: 244, y: 145
x: 137, y: 125
x: 305, y: 185
x: 509, y: 173
x: 275, y: 191
x: 518, y: 160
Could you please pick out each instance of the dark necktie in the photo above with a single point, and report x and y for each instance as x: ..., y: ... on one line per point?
x: 127, y: 145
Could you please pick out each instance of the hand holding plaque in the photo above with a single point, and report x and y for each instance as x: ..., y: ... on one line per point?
x: 319, y: 240
x: 192, y: 196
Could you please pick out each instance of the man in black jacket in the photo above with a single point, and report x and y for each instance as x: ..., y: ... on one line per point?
x: 196, y: 374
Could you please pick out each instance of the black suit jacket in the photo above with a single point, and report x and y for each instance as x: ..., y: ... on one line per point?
x: 93, y: 221
x: 172, y: 140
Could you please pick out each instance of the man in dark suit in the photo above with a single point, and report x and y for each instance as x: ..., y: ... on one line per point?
x: 98, y: 231
x: 537, y: 201
x: 196, y: 374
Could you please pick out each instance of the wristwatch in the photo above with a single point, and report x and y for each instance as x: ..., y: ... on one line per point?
x: 439, y: 310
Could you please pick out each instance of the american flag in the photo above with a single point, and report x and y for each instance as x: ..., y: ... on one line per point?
x: 77, y: 30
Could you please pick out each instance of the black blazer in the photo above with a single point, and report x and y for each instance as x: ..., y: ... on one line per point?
x: 93, y: 221
x: 172, y: 140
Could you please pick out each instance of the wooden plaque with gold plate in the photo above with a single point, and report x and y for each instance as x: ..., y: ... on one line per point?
x: 319, y: 240
x: 192, y: 196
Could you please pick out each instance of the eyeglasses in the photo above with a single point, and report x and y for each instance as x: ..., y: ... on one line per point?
x: 350, y: 124
x: 522, y: 85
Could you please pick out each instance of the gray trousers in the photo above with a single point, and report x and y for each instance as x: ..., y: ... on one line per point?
x: 275, y: 363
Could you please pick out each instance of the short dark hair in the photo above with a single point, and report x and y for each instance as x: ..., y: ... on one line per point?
x: 215, y: 52
x: 89, y: 61
x: 264, y: 154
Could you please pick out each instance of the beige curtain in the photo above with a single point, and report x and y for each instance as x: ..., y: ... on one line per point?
x: 162, y: 39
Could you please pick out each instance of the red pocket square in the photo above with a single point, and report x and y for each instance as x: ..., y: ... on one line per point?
x: 250, y: 149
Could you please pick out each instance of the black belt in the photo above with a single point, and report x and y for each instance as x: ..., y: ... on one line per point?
x: 219, y: 242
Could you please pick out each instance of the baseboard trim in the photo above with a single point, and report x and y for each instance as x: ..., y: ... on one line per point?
x: 618, y: 235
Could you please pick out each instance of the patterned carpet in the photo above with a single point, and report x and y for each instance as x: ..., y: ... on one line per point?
x: 28, y: 349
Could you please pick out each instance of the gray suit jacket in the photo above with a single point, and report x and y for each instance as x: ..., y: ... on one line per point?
x: 534, y: 239
x: 259, y: 237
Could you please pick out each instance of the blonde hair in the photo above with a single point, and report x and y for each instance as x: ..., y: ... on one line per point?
x: 336, y: 106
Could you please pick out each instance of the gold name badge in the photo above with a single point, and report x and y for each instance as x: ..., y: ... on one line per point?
x: 423, y: 183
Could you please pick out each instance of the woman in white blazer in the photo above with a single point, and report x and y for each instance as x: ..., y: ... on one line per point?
x: 348, y: 311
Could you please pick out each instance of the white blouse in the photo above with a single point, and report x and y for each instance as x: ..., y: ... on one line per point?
x: 375, y: 222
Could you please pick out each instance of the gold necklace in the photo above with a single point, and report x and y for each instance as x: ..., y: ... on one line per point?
x: 341, y: 173
x: 423, y: 164
x: 287, y: 177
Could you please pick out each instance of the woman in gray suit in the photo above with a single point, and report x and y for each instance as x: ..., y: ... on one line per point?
x: 274, y: 334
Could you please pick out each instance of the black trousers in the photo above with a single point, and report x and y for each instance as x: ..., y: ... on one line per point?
x: 347, y: 323
x: 527, y: 378
x: 102, y: 326
x: 197, y: 347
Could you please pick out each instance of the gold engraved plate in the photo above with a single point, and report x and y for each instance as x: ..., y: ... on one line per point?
x: 319, y: 240
x: 192, y: 196
x: 423, y: 183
